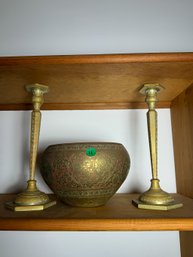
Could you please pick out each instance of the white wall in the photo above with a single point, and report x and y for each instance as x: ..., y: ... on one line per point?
x: 95, y: 244
x: 41, y: 27
x: 48, y: 27
x: 124, y: 126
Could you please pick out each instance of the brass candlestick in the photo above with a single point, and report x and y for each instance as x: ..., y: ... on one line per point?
x: 155, y: 198
x: 32, y: 199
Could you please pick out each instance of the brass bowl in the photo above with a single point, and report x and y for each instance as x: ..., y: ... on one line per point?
x: 85, y: 174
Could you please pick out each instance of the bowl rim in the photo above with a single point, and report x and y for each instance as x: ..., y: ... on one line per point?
x: 87, y: 144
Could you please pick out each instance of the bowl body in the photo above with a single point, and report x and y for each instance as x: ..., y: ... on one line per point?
x: 85, y: 174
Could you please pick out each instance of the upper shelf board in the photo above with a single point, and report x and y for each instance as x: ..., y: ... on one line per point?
x: 94, y: 81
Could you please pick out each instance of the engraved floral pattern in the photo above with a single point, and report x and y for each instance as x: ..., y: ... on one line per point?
x: 83, y: 180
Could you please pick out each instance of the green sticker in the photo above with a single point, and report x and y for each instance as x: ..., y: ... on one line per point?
x: 91, y: 151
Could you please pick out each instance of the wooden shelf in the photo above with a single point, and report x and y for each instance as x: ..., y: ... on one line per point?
x: 93, y: 81
x: 117, y: 215
x: 108, y: 82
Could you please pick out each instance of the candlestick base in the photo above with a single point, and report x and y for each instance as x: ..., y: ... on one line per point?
x: 31, y: 199
x: 156, y: 199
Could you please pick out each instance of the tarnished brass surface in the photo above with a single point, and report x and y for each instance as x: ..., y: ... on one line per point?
x: 32, y: 196
x: 32, y: 199
x: 163, y: 207
x: 155, y: 198
x: 85, y: 174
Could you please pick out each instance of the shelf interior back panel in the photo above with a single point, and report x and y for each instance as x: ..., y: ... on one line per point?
x: 93, y: 81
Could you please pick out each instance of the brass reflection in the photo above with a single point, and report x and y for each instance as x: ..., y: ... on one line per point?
x: 155, y: 198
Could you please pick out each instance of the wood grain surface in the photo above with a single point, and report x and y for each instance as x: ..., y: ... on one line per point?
x: 93, y: 81
x: 186, y: 242
x: 117, y: 215
x: 182, y: 126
